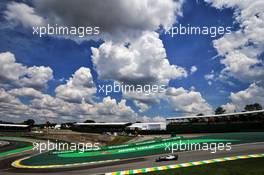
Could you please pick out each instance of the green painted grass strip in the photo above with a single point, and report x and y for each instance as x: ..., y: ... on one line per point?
x: 15, y: 151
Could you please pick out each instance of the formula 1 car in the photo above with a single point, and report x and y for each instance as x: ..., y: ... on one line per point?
x: 167, y: 158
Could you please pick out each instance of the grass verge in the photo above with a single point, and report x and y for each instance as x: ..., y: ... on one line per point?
x: 237, y: 167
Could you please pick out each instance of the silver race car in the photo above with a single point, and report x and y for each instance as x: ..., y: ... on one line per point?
x: 167, y: 158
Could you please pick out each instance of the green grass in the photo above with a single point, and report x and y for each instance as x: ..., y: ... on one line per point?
x: 108, y: 154
x: 237, y: 167
x: 21, y: 146
x: 122, y: 153
x: 15, y: 151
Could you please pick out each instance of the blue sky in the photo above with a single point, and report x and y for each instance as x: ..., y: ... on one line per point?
x: 65, y: 56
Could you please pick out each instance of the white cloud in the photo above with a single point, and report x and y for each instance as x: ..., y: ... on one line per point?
x: 43, y: 106
x: 143, y: 62
x: 126, y: 19
x: 22, y: 13
x: 229, y: 107
x: 210, y: 76
x: 142, y: 106
x: 253, y: 94
x: 192, y: 88
x: 242, y: 67
x: 11, y: 106
x: 9, y: 69
x: 5, y: 97
x: 142, y: 100
x: 241, y: 50
x: 79, y: 87
x: 37, y: 76
x: 15, y: 74
x: 105, y: 111
x: 25, y: 92
x: 185, y: 101
x: 110, y: 110
x: 152, y: 119
x: 193, y: 69
x: 19, y: 81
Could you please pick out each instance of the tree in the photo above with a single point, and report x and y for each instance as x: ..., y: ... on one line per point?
x: 253, y: 107
x: 201, y: 114
x: 219, y: 110
x: 257, y: 106
x: 29, y: 122
x: 89, y: 121
x: 48, y: 124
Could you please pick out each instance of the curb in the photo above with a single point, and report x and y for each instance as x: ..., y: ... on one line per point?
x: 182, y: 165
x: 17, y: 164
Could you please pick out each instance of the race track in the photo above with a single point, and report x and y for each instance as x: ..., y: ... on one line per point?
x: 127, y: 156
x: 140, y: 162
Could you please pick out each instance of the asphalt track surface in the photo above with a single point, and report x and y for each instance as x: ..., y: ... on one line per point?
x: 3, y: 143
x: 147, y: 161
x: 10, y: 146
x: 153, y: 147
x: 13, y: 147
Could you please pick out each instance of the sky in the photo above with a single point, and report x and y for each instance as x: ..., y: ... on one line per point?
x: 57, y: 78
